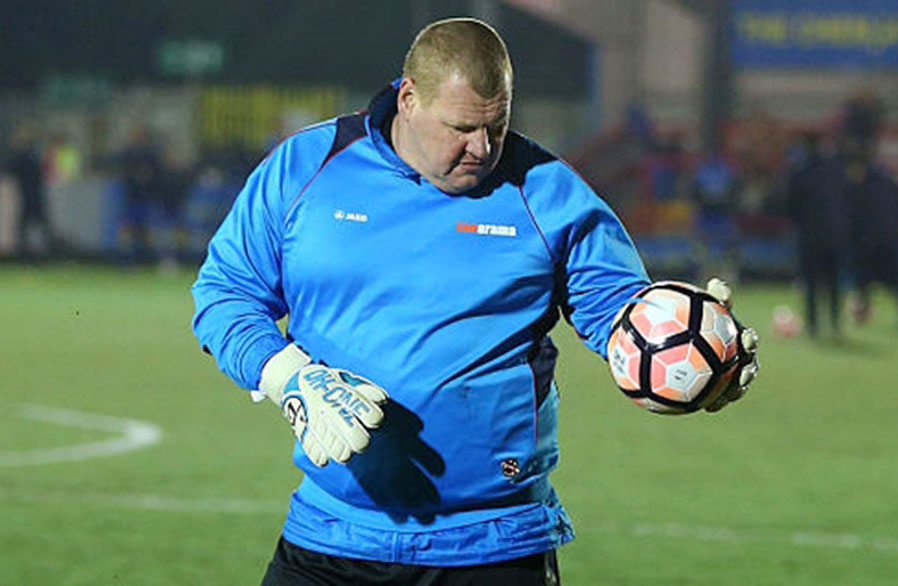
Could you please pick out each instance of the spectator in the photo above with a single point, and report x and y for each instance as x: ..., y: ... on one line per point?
x: 175, y: 186
x: 714, y: 193
x: 873, y: 200
x: 816, y: 205
x: 860, y: 122
x: 141, y: 177
x: 24, y: 166
x: 62, y: 161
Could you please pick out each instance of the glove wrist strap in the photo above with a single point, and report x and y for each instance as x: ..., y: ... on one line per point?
x: 279, y: 369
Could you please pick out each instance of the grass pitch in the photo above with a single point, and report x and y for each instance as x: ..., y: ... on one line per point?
x: 794, y: 485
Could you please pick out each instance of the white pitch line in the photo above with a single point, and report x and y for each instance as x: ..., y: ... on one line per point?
x: 677, y: 531
x: 158, y: 502
x: 150, y: 501
x: 851, y: 541
x: 136, y: 434
x: 131, y: 435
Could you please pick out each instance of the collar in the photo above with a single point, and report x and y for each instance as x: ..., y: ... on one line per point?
x: 381, y: 111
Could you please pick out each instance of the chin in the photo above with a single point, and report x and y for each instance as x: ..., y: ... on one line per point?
x: 465, y: 182
x: 456, y: 187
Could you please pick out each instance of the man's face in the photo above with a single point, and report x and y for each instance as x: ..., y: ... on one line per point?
x: 455, y: 140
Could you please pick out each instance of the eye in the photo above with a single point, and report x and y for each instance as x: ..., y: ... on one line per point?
x: 497, y: 129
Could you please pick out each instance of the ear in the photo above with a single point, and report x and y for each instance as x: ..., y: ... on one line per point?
x: 407, y: 99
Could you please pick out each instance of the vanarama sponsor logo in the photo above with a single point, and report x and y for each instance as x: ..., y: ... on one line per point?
x: 350, y: 216
x: 486, y: 229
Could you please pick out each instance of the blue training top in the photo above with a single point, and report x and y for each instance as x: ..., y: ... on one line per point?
x: 443, y: 300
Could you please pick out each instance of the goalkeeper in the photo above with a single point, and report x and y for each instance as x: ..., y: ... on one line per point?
x: 422, y: 252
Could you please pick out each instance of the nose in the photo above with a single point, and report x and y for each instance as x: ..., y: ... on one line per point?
x: 479, y: 144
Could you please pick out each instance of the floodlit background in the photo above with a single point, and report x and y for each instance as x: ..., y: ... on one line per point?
x: 127, y: 458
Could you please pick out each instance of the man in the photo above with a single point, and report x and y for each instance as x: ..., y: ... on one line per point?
x: 176, y: 181
x: 141, y: 180
x: 423, y: 246
x: 714, y: 193
x: 816, y: 205
x: 24, y: 166
x: 872, y: 197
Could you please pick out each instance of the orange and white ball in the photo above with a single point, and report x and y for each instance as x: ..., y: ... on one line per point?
x: 674, y: 349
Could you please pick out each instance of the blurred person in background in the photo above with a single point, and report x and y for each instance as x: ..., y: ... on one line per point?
x: 714, y: 195
x: 873, y: 210
x: 24, y: 166
x: 860, y: 122
x: 638, y: 125
x: 760, y: 150
x: 62, y: 161
x: 141, y: 174
x: 816, y: 204
x: 423, y: 244
x: 62, y: 166
x: 176, y: 184
x: 208, y: 202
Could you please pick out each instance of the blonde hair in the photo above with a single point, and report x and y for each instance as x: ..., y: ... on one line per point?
x: 466, y: 46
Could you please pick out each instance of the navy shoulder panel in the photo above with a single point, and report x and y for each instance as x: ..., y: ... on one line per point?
x: 350, y: 128
x: 520, y: 155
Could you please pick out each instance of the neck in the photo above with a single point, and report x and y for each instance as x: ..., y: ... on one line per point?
x: 394, y: 134
x: 399, y: 143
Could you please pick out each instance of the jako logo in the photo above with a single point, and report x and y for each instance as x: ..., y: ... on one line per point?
x: 350, y: 216
x: 486, y: 229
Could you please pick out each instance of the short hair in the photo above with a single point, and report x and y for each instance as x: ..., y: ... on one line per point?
x: 466, y: 46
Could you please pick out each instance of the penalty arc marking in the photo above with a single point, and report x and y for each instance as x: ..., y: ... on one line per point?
x: 131, y: 435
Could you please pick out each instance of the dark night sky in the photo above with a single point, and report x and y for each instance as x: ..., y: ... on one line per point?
x: 354, y: 43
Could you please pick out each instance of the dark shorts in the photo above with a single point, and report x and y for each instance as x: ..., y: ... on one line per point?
x: 293, y: 565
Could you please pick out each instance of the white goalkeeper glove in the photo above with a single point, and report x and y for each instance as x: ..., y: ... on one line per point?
x: 748, y: 351
x: 329, y: 409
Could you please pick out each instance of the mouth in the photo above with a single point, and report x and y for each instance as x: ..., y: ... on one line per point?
x: 472, y: 165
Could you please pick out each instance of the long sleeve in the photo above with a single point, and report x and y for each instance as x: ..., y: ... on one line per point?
x: 598, y: 264
x: 238, y: 293
x: 603, y: 272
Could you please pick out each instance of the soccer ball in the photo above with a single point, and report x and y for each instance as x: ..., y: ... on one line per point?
x: 785, y: 323
x: 674, y: 349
